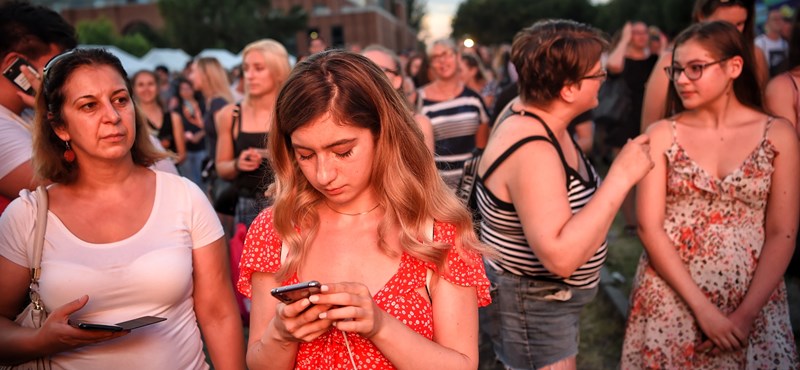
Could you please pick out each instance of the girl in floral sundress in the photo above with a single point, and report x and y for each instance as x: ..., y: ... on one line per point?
x: 718, y: 217
x: 360, y: 207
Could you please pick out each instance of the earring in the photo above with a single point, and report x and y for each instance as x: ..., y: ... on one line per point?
x: 69, y: 155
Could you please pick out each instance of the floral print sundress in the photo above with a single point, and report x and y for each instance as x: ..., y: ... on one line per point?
x: 717, y: 226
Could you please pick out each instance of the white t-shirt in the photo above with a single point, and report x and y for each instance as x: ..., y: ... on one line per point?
x: 775, y: 51
x: 16, y: 142
x: 149, y: 273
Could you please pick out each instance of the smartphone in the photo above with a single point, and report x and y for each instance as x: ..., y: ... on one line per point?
x: 293, y: 293
x: 125, y: 325
x: 14, y: 73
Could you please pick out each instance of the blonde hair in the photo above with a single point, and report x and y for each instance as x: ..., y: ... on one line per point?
x: 354, y: 91
x: 276, y: 57
x: 215, y: 78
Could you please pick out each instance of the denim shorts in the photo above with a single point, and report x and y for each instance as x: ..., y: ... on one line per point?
x: 533, y: 323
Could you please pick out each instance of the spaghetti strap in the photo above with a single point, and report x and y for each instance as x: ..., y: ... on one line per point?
x: 553, y: 140
x: 767, y: 126
x: 674, y: 127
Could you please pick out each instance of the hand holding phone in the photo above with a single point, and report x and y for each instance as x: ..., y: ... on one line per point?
x: 14, y: 74
x: 293, y: 293
x: 125, y: 325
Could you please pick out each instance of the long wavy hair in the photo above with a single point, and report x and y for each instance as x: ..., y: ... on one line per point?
x: 723, y: 41
x: 48, y: 149
x: 215, y: 79
x: 354, y: 91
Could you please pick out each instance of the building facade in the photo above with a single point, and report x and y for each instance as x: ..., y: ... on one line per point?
x: 341, y: 23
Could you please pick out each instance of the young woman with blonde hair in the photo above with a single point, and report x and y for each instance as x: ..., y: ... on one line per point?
x: 210, y: 78
x: 243, y: 128
x: 360, y: 207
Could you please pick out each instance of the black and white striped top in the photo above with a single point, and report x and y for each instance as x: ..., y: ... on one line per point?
x: 455, y: 123
x: 501, y: 228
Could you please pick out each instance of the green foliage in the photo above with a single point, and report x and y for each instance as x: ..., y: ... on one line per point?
x: 194, y: 25
x: 493, y: 22
x: 497, y: 21
x: 415, y: 10
x: 101, y: 31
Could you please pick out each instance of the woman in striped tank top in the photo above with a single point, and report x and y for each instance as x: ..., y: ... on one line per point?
x: 544, y: 209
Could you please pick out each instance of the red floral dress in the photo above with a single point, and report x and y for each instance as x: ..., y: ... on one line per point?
x: 398, y: 297
x: 717, y: 226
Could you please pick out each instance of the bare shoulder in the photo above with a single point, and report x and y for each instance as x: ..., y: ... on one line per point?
x: 780, y: 84
x: 782, y: 134
x: 661, y: 132
x: 224, y: 115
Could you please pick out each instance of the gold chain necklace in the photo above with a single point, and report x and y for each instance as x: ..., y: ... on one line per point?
x: 353, y: 214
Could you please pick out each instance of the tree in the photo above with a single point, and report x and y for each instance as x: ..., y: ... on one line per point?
x: 497, y: 21
x: 101, y: 31
x: 492, y: 22
x: 415, y: 10
x: 671, y: 16
x: 194, y: 25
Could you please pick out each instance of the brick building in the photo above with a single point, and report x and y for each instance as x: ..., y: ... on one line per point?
x: 340, y: 22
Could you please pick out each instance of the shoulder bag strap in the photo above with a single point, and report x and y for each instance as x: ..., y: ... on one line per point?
x: 236, y: 119
x: 38, y: 234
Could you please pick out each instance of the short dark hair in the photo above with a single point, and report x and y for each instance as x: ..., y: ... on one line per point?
x: 162, y: 68
x: 31, y: 29
x: 552, y: 54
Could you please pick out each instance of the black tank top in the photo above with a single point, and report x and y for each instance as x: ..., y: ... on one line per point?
x: 253, y: 183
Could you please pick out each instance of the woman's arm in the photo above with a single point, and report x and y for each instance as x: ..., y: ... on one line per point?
x: 215, y: 306
x: 563, y: 242
x: 225, y: 162
x: 781, y: 226
x: 18, y: 344
x: 455, y: 317
x: 651, y: 202
x: 427, y: 130
x: 654, y: 105
x: 276, y: 329
x: 178, y: 135
x: 779, y: 101
x: 616, y: 59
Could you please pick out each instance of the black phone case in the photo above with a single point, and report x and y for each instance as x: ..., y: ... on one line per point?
x: 125, y: 325
x: 295, y: 292
x: 14, y: 74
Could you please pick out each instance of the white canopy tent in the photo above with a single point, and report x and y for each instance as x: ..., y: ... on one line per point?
x: 226, y: 58
x: 131, y: 63
x: 173, y: 59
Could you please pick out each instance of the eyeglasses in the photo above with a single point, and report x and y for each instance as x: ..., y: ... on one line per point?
x: 602, y: 75
x: 389, y: 70
x: 693, y: 71
x: 445, y: 54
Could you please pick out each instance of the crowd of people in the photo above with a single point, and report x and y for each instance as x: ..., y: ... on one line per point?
x: 196, y: 198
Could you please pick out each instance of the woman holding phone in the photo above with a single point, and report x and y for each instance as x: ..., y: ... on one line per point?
x: 122, y: 241
x: 359, y: 207
x: 243, y: 128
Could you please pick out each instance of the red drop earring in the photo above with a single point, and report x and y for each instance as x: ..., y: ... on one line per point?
x: 69, y: 155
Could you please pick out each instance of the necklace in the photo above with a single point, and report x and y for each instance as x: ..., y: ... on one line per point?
x: 353, y: 214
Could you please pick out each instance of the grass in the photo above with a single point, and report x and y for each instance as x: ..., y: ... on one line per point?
x: 603, y: 326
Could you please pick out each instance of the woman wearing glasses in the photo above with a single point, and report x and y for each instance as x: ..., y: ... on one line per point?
x: 544, y: 209
x: 740, y: 13
x: 718, y: 219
